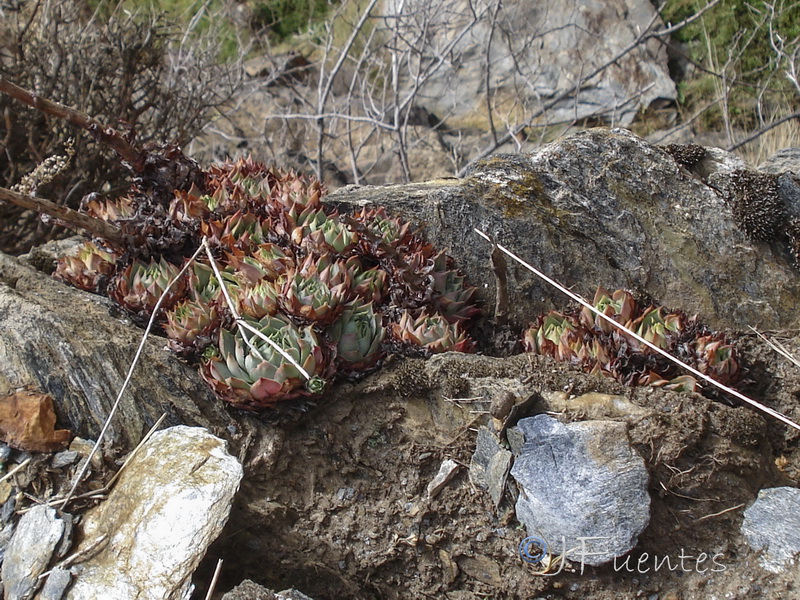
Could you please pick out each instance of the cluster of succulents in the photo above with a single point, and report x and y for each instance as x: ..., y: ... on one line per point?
x: 318, y: 293
x: 583, y: 338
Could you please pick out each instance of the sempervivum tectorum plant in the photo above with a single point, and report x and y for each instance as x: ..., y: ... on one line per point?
x: 189, y: 208
x: 190, y: 325
x: 286, y: 259
x: 358, y: 333
x: 259, y: 300
x: 584, y: 338
x: 255, y: 375
x: 109, y: 210
x: 321, y: 233
x: 432, y: 332
x: 242, y: 231
x: 452, y: 298
x: 382, y: 233
x: 274, y: 259
x: 89, y: 269
x: 313, y: 294
x: 139, y: 286
x: 371, y: 285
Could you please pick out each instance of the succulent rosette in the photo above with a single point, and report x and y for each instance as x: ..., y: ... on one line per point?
x: 717, y: 358
x: 620, y: 306
x: 88, y: 268
x: 274, y: 259
x: 189, y: 207
x: 358, y: 333
x: 140, y: 285
x: 190, y: 325
x: 452, y: 298
x: 203, y: 283
x: 258, y: 301
x: 371, y: 285
x: 242, y: 231
x: 316, y: 295
x: 256, y: 375
x: 584, y: 338
x: 109, y: 210
x: 294, y: 193
x: 432, y: 332
x: 320, y: 233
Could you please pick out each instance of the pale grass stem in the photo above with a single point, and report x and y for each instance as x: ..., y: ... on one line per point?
x: 214, y: 579
x: 16, y: 469
x: 728, y: 390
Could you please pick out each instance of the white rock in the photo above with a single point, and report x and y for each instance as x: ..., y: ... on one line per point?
x: 170, y: 503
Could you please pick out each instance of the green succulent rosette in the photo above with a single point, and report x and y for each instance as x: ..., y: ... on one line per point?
x: 190, y: 324
x: 358, y: 333
x: 256, y: 375
x: 139, y: 286
x: 434, y: 333
x: 88, y: 268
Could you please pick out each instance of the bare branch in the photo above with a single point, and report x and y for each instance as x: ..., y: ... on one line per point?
x: 105, y: 135
x: 67, y: 216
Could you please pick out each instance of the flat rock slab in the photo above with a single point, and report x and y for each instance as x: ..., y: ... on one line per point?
x: 772, y: 524
x: 170, y: 503
x: 581, y: 480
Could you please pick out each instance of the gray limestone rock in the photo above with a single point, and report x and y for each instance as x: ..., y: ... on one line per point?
x: 537, y: 52
x: 772, y: 524
x: 601, y: 207
x: 583, y: 489
x: 31, y: 550
x: 170, y: 503
x: 782, y: 161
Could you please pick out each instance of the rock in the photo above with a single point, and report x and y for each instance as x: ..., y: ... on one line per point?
x: 490, y: 464
x: 786, y: 165
x: 31, y: 550
x: 609, y: 209
x: 595, y: 406
x: 248, y: 590
x: 772, y: 524
x: 572, y: 479
x: 447, y: 469
x: 538, y: 52
x: 55, y: 585
x: 168, y: 505
x: 787, y: 159
x: 77, y: 347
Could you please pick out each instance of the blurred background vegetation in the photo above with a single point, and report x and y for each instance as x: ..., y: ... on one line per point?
x: 165, y: 70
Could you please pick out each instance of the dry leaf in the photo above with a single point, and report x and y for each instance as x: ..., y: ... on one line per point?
x: 28, y: 421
